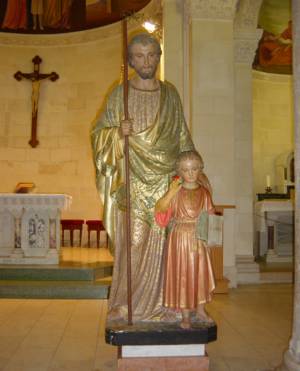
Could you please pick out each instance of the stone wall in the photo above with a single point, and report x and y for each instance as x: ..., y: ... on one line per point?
x: 62, y: 162
x: 273, y: 128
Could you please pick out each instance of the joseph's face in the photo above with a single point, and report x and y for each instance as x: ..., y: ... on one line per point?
x: 144, y: 60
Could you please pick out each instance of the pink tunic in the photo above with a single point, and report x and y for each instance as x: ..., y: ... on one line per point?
x: 188, y: 277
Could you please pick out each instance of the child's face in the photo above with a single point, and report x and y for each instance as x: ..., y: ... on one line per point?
x: 189, y: 170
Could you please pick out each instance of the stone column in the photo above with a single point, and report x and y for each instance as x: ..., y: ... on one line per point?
x: 176, y: 48
x: 246, y: 37
x: 291, y: 360
x: 212, y: 106
x: 172, y: 44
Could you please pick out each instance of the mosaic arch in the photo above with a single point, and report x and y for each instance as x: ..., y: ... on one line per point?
x: 274, y: 53
x: 60, y: 16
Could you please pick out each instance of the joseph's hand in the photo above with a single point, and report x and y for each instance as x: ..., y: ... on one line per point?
x: 126, y: 127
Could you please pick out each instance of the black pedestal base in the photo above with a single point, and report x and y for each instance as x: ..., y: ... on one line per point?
x: 159, y: 333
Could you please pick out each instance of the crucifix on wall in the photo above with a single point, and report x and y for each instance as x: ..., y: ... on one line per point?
x: 35, y: 77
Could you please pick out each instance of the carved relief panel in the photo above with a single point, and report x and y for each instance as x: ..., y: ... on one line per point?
x: 7, y: 228
x: 35, y: 232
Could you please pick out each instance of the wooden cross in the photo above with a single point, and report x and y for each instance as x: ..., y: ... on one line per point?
x: 35, y: 77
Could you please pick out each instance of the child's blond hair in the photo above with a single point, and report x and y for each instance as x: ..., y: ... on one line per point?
x: 188, y: 155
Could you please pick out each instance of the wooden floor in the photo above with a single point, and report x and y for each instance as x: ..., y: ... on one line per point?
x: 254, y: 325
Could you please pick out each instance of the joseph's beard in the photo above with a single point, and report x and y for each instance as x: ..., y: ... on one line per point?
x: 147, y: 75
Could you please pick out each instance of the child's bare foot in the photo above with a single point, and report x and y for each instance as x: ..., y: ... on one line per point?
x: 186, y: 319
x: 201, y: 315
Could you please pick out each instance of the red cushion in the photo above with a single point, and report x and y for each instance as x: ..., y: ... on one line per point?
x: 93, y: 222
x: 72, y: 221
x: 95, y: 225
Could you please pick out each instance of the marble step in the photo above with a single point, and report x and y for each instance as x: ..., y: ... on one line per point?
x: 72, y: 272
x: 98, y: 289
x: 278, y: 272
x: 276, y: 277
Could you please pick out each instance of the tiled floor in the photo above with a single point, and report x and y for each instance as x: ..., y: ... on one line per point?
x: 83, y: 256
x: 254, y: 325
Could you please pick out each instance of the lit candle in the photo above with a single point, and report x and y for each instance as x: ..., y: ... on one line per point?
x: 268, y: 179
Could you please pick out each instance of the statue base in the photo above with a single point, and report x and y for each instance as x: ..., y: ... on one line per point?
x: 160, y: 345
x: 164, y: 364
x: 159, y: 333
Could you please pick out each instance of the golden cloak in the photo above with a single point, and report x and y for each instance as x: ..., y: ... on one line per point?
x: 153, y: 153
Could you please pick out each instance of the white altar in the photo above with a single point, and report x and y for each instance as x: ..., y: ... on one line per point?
x: 30, y: 227
x: 274, y: 221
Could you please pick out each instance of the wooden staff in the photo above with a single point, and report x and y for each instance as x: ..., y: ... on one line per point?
x: 128, y: 219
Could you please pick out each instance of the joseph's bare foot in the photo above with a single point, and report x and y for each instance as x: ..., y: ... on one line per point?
x: 169, y: 316
x: 185, y: 324
x: 116, y: 314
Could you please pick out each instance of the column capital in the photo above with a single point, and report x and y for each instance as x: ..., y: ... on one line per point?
x: 247, y: 15
x: 212, y: 9
x: 246, y: 33
x: 245, y: 46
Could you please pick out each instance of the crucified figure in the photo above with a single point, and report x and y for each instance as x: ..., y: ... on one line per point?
x: 35, y: 77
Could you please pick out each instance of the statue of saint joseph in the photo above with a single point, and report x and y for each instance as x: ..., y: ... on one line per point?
x: 157, y: 134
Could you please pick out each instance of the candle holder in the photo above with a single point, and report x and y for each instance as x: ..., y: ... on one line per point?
x: 268, y: 189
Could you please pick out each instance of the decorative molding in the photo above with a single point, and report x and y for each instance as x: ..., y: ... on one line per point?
x: 245, y: 47
x: 272, y: 77
x: 213, y: 9
x: 247, y: 15
x: 65, y: 39
x: 11, y: 201
x: 75, y: 38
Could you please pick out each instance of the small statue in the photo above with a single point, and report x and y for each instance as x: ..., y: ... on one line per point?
x: 188, y: 276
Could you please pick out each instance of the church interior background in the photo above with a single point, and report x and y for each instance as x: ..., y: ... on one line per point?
x: 231, y: 62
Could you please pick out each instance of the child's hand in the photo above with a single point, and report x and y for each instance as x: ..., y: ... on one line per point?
x: 175, y: 185
x: 163, y: 203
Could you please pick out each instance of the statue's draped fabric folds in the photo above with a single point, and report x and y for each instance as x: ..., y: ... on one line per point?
x: 153, y: 148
